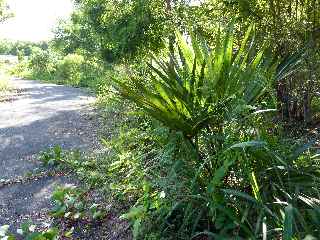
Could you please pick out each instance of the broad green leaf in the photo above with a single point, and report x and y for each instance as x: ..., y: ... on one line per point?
x: 243, y: 145
x: 288, y: 223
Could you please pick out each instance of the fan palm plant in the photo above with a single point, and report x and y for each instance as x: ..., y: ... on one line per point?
x: 200, y: 87
x: 199, y: 91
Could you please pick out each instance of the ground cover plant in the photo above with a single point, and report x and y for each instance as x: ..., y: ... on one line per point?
x: 28, y: 231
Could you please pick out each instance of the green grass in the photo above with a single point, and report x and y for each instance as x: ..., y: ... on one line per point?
x: 5, y: 85
x: 4, y: 82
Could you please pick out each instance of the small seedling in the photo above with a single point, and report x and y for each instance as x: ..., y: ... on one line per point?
x: 52, y: 156
x: 71, y: 202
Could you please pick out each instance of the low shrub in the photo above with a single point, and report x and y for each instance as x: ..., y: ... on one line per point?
x: 94, y: 74
x: 69, y: 69
x: 42, y: 64
x: 22, y: 70
x: 196, y: 153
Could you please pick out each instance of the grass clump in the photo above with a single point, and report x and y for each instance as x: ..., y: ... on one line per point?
x: 4, y: 78
x: 4, y: 84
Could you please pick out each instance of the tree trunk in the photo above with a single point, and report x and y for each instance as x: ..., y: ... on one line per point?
x: 171, y: 36
x: 306, y: 107
x: 283, y: 100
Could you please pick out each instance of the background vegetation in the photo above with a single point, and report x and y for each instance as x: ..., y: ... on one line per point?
x: 8, y: 47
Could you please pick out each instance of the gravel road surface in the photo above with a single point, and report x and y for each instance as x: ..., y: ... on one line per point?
x: 38, y: 116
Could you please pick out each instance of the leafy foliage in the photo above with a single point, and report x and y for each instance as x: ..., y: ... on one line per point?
x: 233, y: 185
x: 205, y: 159
x: 72, y: 69
x: 42, y: 63
x: 70, y: 202
x: 69, y: 69
x: 114, y: 31
x: 201, y: 86
x: 52, y: 156
x: 28, y: 232
x: 8, y: 47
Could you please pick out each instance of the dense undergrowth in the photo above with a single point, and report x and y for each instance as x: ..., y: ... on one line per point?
x: 218, y: 167
x: 204, y: 121
x: 206, y: 159
x: 196, y: 151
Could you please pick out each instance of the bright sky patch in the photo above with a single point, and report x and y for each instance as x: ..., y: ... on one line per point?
x: 34, y: 19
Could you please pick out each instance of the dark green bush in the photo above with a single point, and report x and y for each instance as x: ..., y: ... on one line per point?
x: 93, y: 74
x: 69, y: 69
x: 42, y: 64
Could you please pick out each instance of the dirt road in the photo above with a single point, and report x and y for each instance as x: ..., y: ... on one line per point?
x: 37, y: 117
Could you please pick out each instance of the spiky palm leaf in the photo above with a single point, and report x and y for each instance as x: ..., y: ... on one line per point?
x: 200, y: 86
